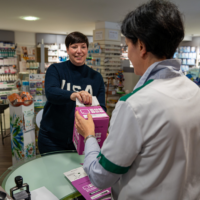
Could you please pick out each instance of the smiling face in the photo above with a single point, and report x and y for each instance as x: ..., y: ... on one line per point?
x: 77, y: 53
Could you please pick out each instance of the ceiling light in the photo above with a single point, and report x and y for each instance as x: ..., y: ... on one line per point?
x: 30, y: 18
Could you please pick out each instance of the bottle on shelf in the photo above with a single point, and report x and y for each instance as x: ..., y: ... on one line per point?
x: 27, y: 65
x: 31, y: 65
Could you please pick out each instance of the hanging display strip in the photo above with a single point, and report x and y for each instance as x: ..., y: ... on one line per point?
x: 37, y: 89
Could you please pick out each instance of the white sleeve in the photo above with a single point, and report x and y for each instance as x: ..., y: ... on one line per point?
x: 124, y: 141
x: 98, y: 176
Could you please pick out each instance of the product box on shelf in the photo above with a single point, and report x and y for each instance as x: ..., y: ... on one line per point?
x: 106, y: 34
x: 108, y: 25
x: 22, y: 131
x: 101, y: 121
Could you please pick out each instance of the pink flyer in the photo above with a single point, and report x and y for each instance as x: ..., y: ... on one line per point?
x: 81, y: 182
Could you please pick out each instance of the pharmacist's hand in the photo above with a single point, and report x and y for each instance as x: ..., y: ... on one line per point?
x: 84, y: 127
x: 83, y: 97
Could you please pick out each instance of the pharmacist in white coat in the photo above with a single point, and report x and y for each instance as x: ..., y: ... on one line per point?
x: 153, y: 148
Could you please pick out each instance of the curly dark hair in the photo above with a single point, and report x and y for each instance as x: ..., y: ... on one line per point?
x: 158, y: 24
x: 76, y: 37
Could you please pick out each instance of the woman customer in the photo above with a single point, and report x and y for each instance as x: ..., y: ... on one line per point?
x: 64, y: 82
x: 152, y: 151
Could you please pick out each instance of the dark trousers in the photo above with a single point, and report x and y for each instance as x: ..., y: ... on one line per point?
x: 47, y: 144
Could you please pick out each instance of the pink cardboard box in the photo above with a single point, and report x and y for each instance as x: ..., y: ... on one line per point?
x: 101, y: 121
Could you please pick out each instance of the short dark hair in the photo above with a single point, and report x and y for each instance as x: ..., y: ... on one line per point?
x: 158, y: 24
x: 76, y: 37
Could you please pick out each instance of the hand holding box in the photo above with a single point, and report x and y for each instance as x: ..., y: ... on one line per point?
x: 101, y: 121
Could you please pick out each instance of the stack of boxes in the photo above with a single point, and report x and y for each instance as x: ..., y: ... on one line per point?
x: 104, y: 56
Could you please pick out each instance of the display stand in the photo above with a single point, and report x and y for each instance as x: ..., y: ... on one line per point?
x: 8, y: 68
x: 56, y: 53
x: 189, y: 57
x: 104, y: 56
x: 22, y: 131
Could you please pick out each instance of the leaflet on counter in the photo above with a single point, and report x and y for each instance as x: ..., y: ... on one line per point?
x: 81, y: 182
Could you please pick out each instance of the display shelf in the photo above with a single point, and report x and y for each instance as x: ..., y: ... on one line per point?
x: 187, y: 54
x: 6, y: 65
x: 52, y: 61
x: 187, y: 58
x: 107, y: 76
x: 112, y: 64
x: 108, y: 72
x: 8, y: 57
x: 30, y: 60
x: 189, y: 64
x: 121, y: 92
x: 9, y: 92
x: 8, y: 74
x: 32, y: 68
x: 6, y: 82
x: 111, y: 105
x: 41, y: 105
x: 106, y: 54
x: 23, y: 72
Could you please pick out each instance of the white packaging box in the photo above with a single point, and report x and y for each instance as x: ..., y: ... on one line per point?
x: 5, y: 61
x: 22, y: 130
x: 106, y: 34
x: 108, y: 25
x: 15, y: 61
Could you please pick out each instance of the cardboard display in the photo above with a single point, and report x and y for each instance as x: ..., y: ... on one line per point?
x: 22, y: 131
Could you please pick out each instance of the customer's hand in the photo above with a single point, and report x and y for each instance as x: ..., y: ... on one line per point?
x: 83, y: 97
x: 84, y: 127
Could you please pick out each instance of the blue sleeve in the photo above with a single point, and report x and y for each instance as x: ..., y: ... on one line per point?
x: 101, y: 95
x: 53, y: 90
x: 98, y: 176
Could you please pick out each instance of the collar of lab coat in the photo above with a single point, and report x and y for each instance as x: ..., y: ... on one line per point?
x: 169, y: 68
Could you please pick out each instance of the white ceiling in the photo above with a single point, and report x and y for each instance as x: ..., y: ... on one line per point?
x: 64, y: 16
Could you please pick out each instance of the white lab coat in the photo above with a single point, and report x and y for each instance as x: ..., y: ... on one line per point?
x: 155, y: 142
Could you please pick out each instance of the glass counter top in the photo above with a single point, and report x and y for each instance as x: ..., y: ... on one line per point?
x: 46, y: 170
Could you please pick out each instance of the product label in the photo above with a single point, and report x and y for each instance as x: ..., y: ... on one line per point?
x: 28, y: 120
x: 99, y: 35
x: 113, y: 35
x: 96, y: 115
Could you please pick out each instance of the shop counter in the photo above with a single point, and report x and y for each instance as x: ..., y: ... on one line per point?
x: 46, y: 170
